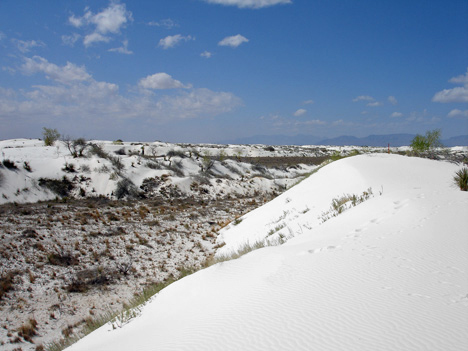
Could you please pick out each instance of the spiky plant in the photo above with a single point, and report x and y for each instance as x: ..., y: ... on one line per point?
x: 461, y: 179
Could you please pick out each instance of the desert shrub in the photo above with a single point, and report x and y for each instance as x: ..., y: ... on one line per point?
x: 69, y: 167
x: 269, y: 148
x: 153, y: 165
x: 126, y: 188
x: 26, y: 166
x: 9, y: 164
x: 85, y: 168
x: 173, y: 153
x: 117, y: 163
x: 28, y: 330
x: 98, y: 150
x: 6, y: 282
x: 64, y: 260
x: 103, y: 169
x: 421, y: 143
x: 118, y: 142
x: 461, y: 179
x: 60, y: 187
x: 177, y: 168
x: 120, y: 152
x: 88, y: 278
x: 50, y: 136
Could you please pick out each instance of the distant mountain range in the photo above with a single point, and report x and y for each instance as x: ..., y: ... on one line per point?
x: 371, y: 140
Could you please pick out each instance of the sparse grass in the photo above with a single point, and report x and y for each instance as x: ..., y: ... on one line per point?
x: 6, y: 282
x: 461, y: 179
x: 28, y: 330
x: 344, y: 202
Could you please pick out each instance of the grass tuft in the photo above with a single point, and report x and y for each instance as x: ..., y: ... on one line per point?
x: 461, y: 179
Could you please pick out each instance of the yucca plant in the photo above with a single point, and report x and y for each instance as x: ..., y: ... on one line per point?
x: 461, y: 179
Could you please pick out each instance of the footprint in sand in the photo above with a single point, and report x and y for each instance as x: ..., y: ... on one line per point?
x: 321, y: 249
x: 401, y: 204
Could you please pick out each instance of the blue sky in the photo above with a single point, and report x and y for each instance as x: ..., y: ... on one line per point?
x: 214, y: 70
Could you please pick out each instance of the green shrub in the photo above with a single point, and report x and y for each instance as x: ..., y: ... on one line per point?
x: 421, y: 143
x: 461, y: 179
x: 50, y: 136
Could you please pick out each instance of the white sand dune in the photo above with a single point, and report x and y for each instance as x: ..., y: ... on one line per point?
x: 388, y: 274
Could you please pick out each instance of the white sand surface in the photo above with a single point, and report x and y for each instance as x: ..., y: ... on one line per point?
x: 388, y: 274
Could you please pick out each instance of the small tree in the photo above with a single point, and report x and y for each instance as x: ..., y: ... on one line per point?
x: 431, y: 140
x: 50, y: 136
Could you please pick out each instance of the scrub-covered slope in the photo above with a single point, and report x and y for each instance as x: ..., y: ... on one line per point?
x: 387, y: 274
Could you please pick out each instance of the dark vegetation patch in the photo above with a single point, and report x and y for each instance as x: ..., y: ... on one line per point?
x: 60, y: 187
x: 9, y: 164
x: 65, y: 259
x: 6, y: 282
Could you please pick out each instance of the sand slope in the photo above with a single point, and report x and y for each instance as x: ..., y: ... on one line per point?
x: 388, y: 274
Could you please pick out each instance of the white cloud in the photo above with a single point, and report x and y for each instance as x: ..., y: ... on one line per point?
x: 2, y: 36
x: 461, y: 79
x: 160, y: 81
x: 396, y: 114
x: 108, y: 21
x: 300, y: 112
x: 198, y: 102
x: 392, y: 100
x: 65, y: 74
x: 457, y: 113
x: 172, y: 40
x: 166, y: 23
x: 70, y: 40
x: 374, y: 104
x: 74, y: 98
x: 309, y: 102
x: 206, y: 54
x: 123, y: 49
x: 255, y: 4
x: 363, y: 98
x: 95, y: 38
x: 26, y: 46
x: 233, y: 41
x: 457, y: 94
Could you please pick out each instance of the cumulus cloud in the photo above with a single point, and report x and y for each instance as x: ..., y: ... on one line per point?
x: 374, y: 104
x: 108, y: 21
x: 396, y: 114
x: 65, y: 74
x: 166, y: 23
x: 206, y: 54
x: 123, y: 49
x: 73, y: 94
x: 457, y: 94
x: 300, y: 112
x: 392, y: 100
x: 198, y: 102
x: 458, y: 113
x: 159, y: 81
x: 173, y: 40
x: 254, y: 4
x: 26, y: 45
x: 363, y: 98
x: 233, y: 41
x: 308, y: 102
